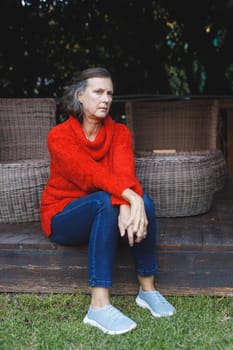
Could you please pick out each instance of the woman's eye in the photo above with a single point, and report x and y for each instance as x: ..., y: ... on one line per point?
x: 100, y: 92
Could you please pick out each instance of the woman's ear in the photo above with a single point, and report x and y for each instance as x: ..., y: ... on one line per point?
x: 79, y: 97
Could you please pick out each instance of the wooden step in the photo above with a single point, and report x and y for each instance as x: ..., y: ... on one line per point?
x: 195, y: 256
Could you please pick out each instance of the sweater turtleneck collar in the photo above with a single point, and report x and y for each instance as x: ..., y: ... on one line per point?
x: 98, y: 148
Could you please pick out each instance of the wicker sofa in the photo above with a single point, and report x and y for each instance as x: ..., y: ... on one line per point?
x: 24, y: 159
x: 177, y: 160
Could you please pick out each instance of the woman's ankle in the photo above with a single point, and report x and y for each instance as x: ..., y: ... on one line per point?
x: 100, y: 297
x: 147, y: 283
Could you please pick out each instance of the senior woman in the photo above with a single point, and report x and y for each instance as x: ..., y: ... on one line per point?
x: 94, y: 196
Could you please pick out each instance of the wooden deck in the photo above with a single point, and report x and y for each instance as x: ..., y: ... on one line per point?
x: 195, y: 257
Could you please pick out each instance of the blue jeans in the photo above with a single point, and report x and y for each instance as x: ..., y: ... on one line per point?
x: 93, y: 219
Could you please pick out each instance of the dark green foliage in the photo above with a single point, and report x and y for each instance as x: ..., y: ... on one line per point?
x: 150, y: 47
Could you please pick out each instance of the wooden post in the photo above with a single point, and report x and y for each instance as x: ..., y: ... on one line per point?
x: 230, y: 142
x: 227, y: 105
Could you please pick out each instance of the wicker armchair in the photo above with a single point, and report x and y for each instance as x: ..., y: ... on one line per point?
x: 181, y: 125
x: 24, y: 159
x: 188, y: 128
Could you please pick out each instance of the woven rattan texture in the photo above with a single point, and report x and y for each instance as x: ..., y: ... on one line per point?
x: 181, y: 125
x: 180, y: 185
x: 24, y: 124
x: 217, y: 161
x: 21, y: 186
x: 24, y: 158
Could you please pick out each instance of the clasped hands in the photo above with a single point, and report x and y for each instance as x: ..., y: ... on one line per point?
x: 132, y: 218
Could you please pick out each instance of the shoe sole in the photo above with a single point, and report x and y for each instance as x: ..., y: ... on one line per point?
x: 105, y: 330
x: 142, y: 303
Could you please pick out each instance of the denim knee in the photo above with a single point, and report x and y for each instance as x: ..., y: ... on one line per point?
x: 104, y: 200
x: 103, y: 197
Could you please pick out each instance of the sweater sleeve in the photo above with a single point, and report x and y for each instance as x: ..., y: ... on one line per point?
x: 78, y: 168
x: 123, y: 161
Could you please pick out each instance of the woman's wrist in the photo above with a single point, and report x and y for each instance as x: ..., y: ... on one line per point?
x: 129, y: 195
x: 126, y: 194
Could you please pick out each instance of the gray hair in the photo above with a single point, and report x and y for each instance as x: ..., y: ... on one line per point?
x: 70, y: 102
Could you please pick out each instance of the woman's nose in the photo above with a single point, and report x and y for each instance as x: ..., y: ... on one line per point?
x: 106, y: 97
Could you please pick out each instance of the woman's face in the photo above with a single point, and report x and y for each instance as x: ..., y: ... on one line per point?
x: 97, y: 98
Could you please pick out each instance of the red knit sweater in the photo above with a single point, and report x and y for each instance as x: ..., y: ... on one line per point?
x: 79, y: 167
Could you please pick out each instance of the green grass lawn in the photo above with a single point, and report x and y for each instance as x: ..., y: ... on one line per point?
x: 54, y: 322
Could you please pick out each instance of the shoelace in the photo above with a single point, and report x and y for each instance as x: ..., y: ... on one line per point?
x: 159, y: 297
x: 115, y: 315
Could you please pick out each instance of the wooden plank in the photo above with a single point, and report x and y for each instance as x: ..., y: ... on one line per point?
x: 189, y: 272
x: 197, y: 273
x: 195, y: 257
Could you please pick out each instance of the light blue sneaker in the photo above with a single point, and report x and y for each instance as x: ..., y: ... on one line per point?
x: 156, y: 303
x: 110, y: 320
